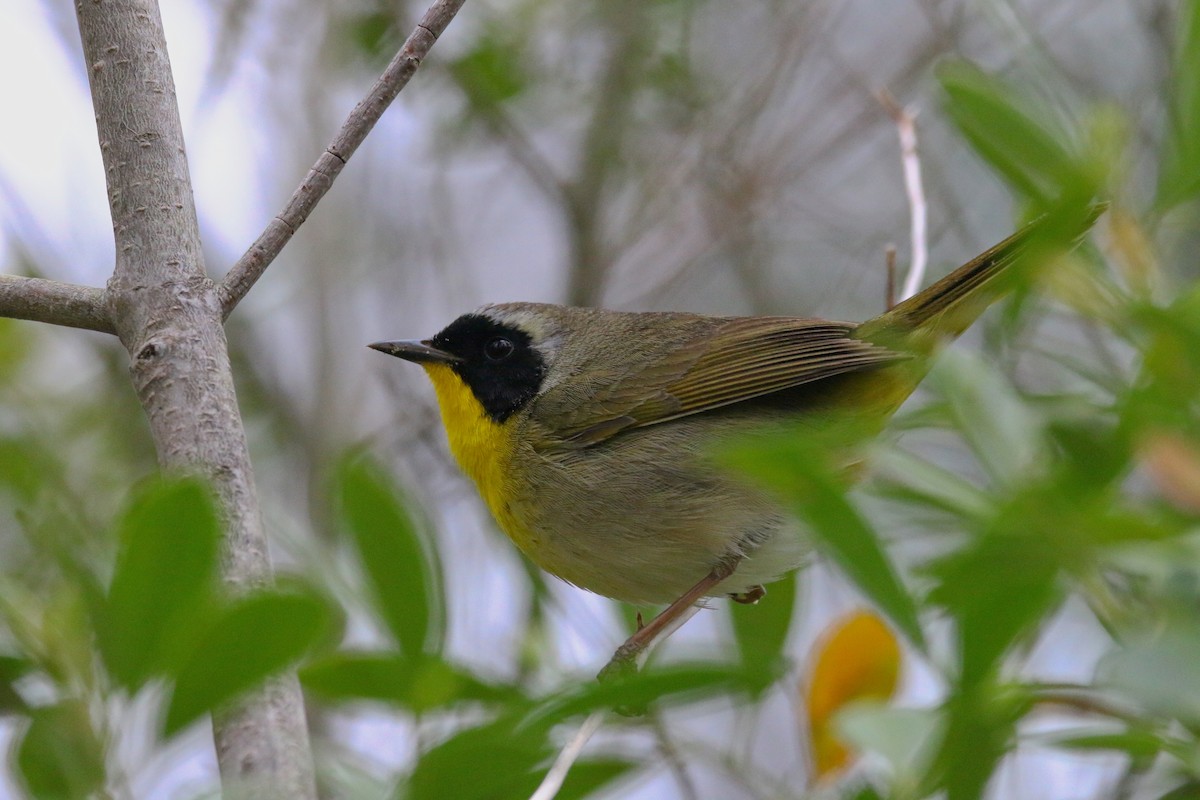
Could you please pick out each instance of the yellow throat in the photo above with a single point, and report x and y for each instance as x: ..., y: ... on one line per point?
x: 481, y: 446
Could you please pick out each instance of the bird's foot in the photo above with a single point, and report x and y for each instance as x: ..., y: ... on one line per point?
x: 750, y: 596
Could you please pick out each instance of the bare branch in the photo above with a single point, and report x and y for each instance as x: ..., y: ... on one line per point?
x: 624, y: 659
x: 889, y: 291
x: 166, y: 312
x: 57, y: 303
x: 254, y: 262
x: 906, y: 127
x: 566, y: 758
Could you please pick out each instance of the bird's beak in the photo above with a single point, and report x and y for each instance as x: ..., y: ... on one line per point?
x: 415, y: 351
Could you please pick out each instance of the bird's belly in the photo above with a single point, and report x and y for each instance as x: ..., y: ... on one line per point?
x: 642, y: 523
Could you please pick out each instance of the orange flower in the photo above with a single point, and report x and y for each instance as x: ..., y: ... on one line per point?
x: 856, y: 658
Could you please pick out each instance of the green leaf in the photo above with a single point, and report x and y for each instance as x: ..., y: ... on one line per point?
x: 1025, y: 150
x: 399, y: 562
x: 907, y: 738
x: 1137, y: 744
x: 490, y: 73
x: 1002, y: 431
x: 997, y: 588
x: 908, y: 477
x: 1179, y: 173
x: 418, y: 685
x: 15, y: 346
x: 677, y: 683
x: 796, y: 467
x: 980, y: 728
x: 59, y: 757
x: 1189, y: 790
x: 163, y: 578
x: 373, y: 32
x: 761, y: 630
x: 12, y: 668
x: 1160, y: 673
x: 250, y: 640
x: 25, y: 467
x: 1095, y: 453
x: 496, y: 761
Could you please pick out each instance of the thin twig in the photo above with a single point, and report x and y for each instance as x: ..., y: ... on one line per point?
x: 57, y: 303
x: 675, y: 763
x: 570, y: 753
x: 566, y: 758
x: 906, y: 127
x: 889, y: 260
x: 254, y: 262
x: 630, y: 656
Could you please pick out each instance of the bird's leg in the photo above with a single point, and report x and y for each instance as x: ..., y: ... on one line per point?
x: 624, y: 660
x: 749, y: 597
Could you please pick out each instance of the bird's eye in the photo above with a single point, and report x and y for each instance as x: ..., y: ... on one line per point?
x: 499, y: 348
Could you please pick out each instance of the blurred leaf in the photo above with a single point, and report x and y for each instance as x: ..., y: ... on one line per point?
x: 12, y: 668
x: 678, y: 683
x: 373, y: 33
x: 867, y: 792
x: 59, y: 757
x: 254, y: 638
x: 1189, y: 790
x: 1179, y: 163
x: 15, y: 340
x: 1166, y: 394
x: 1095, y: 451
x: 163, y: 578
x: 856, y: 658
x: 398, y: 560
x: 761, y: 629
x: 906, y: 737
x: 1024, y: 150
x: 795, y: 466
x: 1133, y: 253
x: 588, y: 776
x: 497, y: 761
x: 417, y: 685
x: 997, y: 587
x: 980, y: 728
x: 1137, y: 744
x: 490, y: 73
x: 1002, y: 431
x: 1160, y: 673
x: 25, y: 467
x: 908, y: 477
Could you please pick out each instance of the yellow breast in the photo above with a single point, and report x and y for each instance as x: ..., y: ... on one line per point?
x: 482, y: 447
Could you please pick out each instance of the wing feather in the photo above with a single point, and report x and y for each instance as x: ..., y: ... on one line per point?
x: 734, y: 360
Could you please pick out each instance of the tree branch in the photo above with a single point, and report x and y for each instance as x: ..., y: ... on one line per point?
x: 57, y: 303
x: 906, y: 129
x: 254, y: 262
x: 166, y: 312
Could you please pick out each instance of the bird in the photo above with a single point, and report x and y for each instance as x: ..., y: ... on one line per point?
x: 590, y: 433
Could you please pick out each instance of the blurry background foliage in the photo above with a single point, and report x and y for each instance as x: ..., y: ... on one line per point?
x: 1027, y: 535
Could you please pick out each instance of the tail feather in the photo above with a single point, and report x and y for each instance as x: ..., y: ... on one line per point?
x: 949, y: 306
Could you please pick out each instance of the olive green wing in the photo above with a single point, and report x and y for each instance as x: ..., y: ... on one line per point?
x: 733, y: 360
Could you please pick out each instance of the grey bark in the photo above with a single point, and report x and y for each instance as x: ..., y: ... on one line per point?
x: 166, y: 312
x: 54, y: 302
